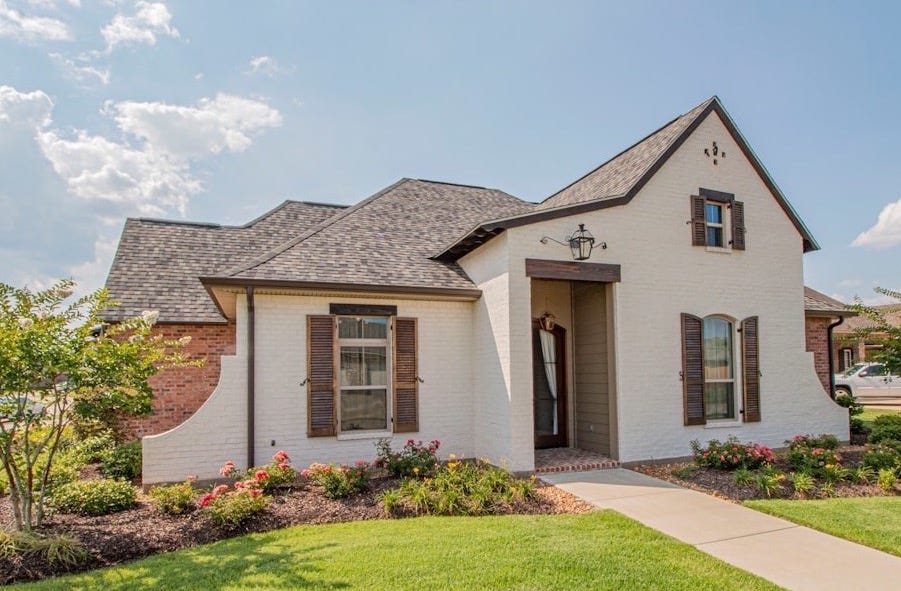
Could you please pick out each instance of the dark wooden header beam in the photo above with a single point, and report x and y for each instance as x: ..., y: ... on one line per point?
x: 572, y: 271
x: 362, y: 310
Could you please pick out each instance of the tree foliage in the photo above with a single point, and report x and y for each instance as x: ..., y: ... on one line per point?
x: 888, y: 334
x: 59, y: 363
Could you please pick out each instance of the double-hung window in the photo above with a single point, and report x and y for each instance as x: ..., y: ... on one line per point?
x: 363, y: 374
x: 717, y: 221
x: 713, y: 220
x: 719, y: 369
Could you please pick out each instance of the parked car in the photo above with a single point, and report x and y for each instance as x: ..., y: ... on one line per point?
x: 868, y: 379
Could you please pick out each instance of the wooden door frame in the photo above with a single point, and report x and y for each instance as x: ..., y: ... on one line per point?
x: 561, y: 439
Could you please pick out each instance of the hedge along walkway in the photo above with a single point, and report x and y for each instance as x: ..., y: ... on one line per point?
x: 600, y: 550
x: 790, y: 555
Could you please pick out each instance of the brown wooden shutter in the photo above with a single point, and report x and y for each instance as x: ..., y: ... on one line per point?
x: 693, y: 370
x: 698, y: 222
x: 750, y: 350
x: 406, y: 386
x: 738, y: 225
x: 322, y: 375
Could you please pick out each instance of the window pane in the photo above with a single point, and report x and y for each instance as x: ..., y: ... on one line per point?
x: 720, y: 401
x: 364, y: 409
x: 714, y: 236
x: 364, y: 366
x: 375, y: 328
x: 717, y: 349
x: 362, y: 328
x: 713, y: 213
x: 350, y: 328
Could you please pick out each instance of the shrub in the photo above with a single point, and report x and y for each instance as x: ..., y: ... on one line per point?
x: 341, y: 481
x: 458, y: 488
x: 123, y: 461
x: 886, y: 427
x: 686, y: 472
x: 881, y: 457
x: 174, y: 499
x: 887, y: 479
x: 816, y: 456
x: 732, y: 454
x: 90, y: 450
x: 278, y: 473
x: 95, y: 497
x: 415, y: 460
x: 743, y: 477
x: 803, y: 483
x: 851, y: 403
x: 858, y: 427
x: 827, y: 489
x: 231, y: 506
x: 864, y: 475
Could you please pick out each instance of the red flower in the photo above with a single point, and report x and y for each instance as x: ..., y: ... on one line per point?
x: 281, y: 457
x: 255, y: 493
x: 284, y: 466
x: 206, y: 499
x: 261, y: 475
x: 219, y: 490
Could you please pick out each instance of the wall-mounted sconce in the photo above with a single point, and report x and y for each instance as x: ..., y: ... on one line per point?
x: 580, y: 243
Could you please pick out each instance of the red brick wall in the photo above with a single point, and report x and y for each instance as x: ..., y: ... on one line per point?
x: 178, y: 393
x: 817, y: 343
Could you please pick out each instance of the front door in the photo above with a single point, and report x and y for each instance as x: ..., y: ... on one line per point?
x: 549, y: 382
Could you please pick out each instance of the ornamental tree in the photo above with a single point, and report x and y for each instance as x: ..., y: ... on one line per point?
x: 59, y: 363
x: 889, y: 334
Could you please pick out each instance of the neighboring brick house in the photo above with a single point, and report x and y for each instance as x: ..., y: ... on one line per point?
x: 157, y: 266
x: 440, y: 311
x: 849, y: 349
x: 822, y: 314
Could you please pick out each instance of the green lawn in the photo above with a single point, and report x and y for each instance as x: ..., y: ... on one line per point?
x: 873, y: 521
x: 869, y: 414
x: 602, y: 550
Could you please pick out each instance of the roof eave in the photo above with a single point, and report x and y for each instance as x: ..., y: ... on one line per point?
x: 464, y: 293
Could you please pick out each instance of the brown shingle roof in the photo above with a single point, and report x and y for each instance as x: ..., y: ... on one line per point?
x: 385, y: 240
x: 816, y: 302
x: 158, y: 262
x: 891, y: 312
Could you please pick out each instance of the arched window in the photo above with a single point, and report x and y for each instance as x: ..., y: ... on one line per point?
x: 719, y: 369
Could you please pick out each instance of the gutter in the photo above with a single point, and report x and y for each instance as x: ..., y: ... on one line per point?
x: 838, y: 322
x: 251, y: 381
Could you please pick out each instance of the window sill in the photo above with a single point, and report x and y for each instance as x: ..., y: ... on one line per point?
x: 352, y: 435
x: 722, y: 424
x: 719, y: 249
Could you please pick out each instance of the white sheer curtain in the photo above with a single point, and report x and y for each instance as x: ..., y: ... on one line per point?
x: 549, y: 353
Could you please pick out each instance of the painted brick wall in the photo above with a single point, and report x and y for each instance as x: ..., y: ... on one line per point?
x: 815, y: 329
x: 178, y: 393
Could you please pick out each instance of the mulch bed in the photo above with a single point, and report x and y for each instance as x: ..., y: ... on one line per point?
x: 143, y: 531
x: 721, y: 483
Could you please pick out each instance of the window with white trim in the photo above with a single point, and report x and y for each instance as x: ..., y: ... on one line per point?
x: 719, y: 369
x: 714, y: 224
x: 363, y: 374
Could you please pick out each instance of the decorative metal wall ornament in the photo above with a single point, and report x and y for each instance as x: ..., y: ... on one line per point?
x: 715, y: 153
x: 547, y: 321
x: 580, y: 243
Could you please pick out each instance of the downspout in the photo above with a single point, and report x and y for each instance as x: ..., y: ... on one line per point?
x: 838, y: 322
x: 251, y: 381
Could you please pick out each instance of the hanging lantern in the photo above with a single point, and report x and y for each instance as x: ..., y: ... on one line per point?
x: 547, y: 321
x: 581, y: 243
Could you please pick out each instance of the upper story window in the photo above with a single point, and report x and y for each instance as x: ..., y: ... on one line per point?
x: 717, y: 220
x: 713, y: 216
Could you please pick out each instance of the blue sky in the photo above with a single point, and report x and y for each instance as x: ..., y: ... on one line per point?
x: 215, y: 111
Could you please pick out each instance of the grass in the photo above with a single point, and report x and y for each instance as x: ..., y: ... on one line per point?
x: 873, y: 521
x: 869, y: 415
x: 601, y: 550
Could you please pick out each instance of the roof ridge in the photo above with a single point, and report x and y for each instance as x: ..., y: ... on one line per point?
x: 272, y: 253
x: 249, y: 224
x: 703, y: 104
x: 175, y: 222
x: 454, y: 184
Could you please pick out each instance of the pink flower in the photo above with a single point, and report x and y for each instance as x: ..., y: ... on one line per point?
x: 281, y: 457
x: 261, y: 475
x: 284, y: 466
x: 219, y: 490
x: 206, y: 500
x: 255, y: 493
x: 305, y: 473
x: 361, y: 464
x: 227, y: 469
x: 410, y: 442
x: 238, y: 485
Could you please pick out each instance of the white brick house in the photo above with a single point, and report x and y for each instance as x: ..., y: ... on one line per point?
x: 456, y: 314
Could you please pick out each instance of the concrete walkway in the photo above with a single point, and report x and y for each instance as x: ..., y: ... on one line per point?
x: 787, y: 554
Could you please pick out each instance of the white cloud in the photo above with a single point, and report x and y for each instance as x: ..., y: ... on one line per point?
x: 227, y: 122
x: 150, y: 20
x: 90, y: 275
x: 887, y: 230
x: 84, y: 74
x: 22, y: 27
x: 31, y: 109
x: 266, y: 65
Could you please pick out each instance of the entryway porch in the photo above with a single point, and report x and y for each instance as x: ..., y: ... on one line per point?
x: 569, y: 459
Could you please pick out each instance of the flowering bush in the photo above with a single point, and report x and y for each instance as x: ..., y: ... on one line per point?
x: 886, y: 427
x: 415, y: 460
x: 231, y: 505
x: 732, y: 454
x: 174, y: 499
x: 276, y: 474
x: 817, y: 456
x: 881, y: 456
x: 341, y: 481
